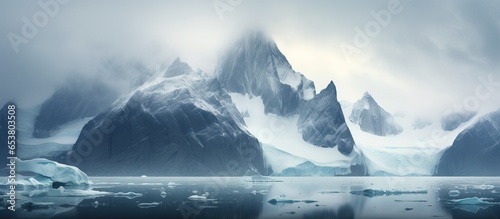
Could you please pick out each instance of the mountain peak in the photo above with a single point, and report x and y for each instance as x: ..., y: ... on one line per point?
x: 367, y: 95
x: 177, y: 68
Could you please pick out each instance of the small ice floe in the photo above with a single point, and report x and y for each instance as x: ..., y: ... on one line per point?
x: 195, y: 191
x: 62, y: 192
x: 95, y: 204
x: 151, y: 184
x: 236, y: 191
x: 483, y: 187
x: 172, y: 185
x: 129, y: 195
x: 258, y: 178
x: 454, y: 193
x: 283, y: 199
x: 263, y: 192
x: 198, y: 198
x: 148, y: 204
x: 144, y: 176
x: 375, y: 192
x: 330, y: 192
x: 163, y: 194
x: 397, y: 200
x: 473, y: 204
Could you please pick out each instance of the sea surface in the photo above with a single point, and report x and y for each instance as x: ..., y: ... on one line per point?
x: 279, y: 197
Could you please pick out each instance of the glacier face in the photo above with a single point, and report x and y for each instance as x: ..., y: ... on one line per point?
x: 321, y: 122
x: 176, y: 125
x: 256, y: 67
x: 372, y: 118
x: 475, y: 151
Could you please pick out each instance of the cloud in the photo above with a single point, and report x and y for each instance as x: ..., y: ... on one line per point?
x: 428, y: 57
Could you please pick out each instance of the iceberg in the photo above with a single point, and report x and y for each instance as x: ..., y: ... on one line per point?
x: 148, y: 204
x: 59, y: 174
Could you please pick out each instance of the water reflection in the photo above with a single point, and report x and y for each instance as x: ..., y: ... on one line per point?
x: 363, y: 197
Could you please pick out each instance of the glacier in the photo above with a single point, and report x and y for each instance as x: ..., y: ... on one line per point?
x: 283, y: 144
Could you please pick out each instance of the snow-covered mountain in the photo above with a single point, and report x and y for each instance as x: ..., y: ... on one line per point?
x: 476, y: 150
x: 372, y: 118
x: 175, y: 124
x: 300, y: 130
x: 255, y: 66
x: 82, y: 97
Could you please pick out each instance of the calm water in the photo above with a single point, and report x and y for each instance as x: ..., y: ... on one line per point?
x: 314, y: 197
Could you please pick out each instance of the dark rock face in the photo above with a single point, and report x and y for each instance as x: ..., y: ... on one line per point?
x: 475, y: 151
x: 175, y: 126
x: 451, y: 121
x: 256, y: 67
x: 372, y: 118
x: 79, y: 99
x: 321, y: 122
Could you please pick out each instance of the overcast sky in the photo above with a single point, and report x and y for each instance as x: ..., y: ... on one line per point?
x: 426, y: 57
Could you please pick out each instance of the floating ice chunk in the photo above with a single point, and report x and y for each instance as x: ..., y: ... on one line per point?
x: 473, y: 204
x: 283, y: 199
x: 151, y: 184
x: 163, y: 194
x: 148, y: 204
x: 61, y: 192
x: 263, y: 179
x: 56, y: 172
x: 454, y: 193
x: 172, y: 185
x: 472, y: 201
x: 144, y: 176
x: 95, y: 204
x: 129, y: 195
x: 198, y: 198
x: 483, y: 187
x: 375, y: 192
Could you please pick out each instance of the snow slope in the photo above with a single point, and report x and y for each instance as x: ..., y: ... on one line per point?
x: 283, y: 145
x: 30, y: 147
x: 415, y: 151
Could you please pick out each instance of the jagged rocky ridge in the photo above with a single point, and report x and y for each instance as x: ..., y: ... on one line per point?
x: 178, y: 124
x: 255, y: 66
x: 475, y: 151
x: 372, y: 118
x: 321, y: 122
